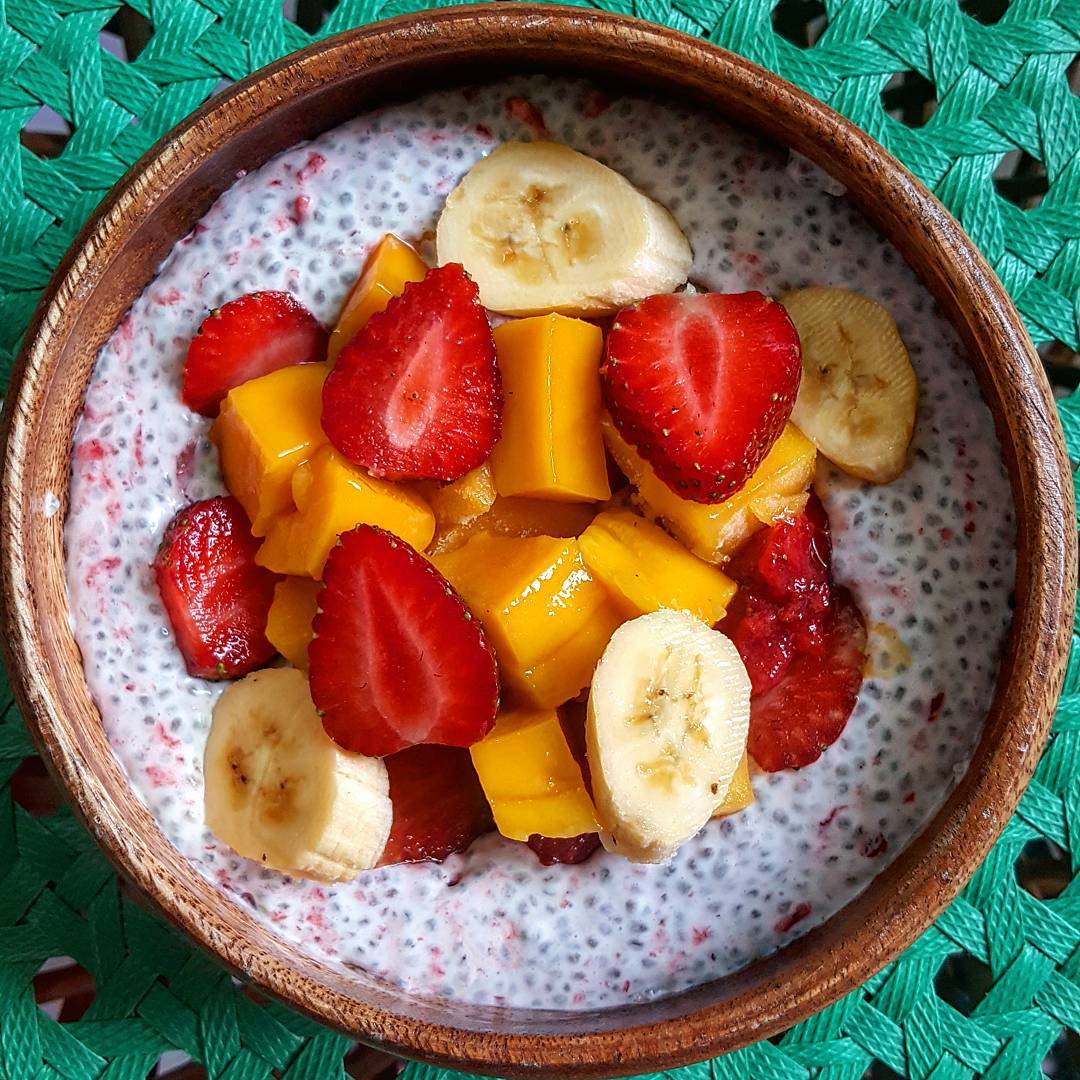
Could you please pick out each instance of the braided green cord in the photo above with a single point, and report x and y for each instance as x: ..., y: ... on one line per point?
x: 1000, y: 89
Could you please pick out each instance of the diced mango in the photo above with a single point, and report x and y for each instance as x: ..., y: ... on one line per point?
x: 288, y: 623
x: 266, y: 428
x: 462, y: 501
x: 714, y: 531
x: 546, y: 618
x: 530, y: 777
x: 391, y: 265
x: 332, y: 496
x: 740, y: 795
x: 551, y: 446
x: 520, y: 518
x: 645, y: 570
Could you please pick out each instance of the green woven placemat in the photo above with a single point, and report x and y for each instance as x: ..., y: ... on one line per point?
x: 975, y: 99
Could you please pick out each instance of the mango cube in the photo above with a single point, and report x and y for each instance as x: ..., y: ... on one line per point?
x: 288, y: 623
x: 546, y: 618
x: 530, y: 777
x: 518, y: 517
x: 740, y: 795
x: 391, y: 265
x: 645, y: 570
x: 464, y: 500
x: 551, y: 446
x: 333, y: 496
x: 714, y: 531
x: 266, y: 428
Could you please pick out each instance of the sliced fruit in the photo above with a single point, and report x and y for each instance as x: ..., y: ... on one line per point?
x: 245, y: 338
x: 859, y: 394
x: 390, y: 266
x: 397, y: 659
x: 266, y: 428
x: 551, y: 446
x: 740, y: 795
x: 715, y: 532
x: 542, y: 228
x: 280, y: 792
x: 519, y: 518
x: 462, y: 501
x: 289, y: 622
x: 439, y: 805
x: 793, y: 723
x: 547, y: 619
x: 645, y: 570
x: 332, y: 496
x: 530, y: 777
x: 667, y: 724
x: 215, y: 595
x: 416, y: 394
x: 702, y: 385
x: 572, y: 850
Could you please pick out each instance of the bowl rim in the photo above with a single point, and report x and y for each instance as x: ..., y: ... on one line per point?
x: 925, y: 875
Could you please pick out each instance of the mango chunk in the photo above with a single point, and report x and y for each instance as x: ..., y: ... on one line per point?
x: 266, y: 428
x: 740, y: 795
x: 551, y: 446
x: 530, y: 777
x: 714, y: 532
x: 645, y: 570
x: 288, y: 623
x: 333, y: 496
x: 391, y: 265
x: 546, y: 618
x: 520, y: 518
x: 462, y: 501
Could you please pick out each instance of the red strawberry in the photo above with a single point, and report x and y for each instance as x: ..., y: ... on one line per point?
x: 702, y: 385
x: 245, y: 338
x: 397, y: 659
x: 216, y: 598
x: 439, y: 805
x: 807, y: 710
x: 417, y: 392
x: 575, y: 849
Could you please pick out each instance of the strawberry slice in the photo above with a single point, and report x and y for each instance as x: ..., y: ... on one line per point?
x: 417, y: 392
x: 439, y: 805
x: 245, y: 338
x: 216, y: 597
x: 575, y: 849
x: 806, y: 711
x: 397, y: 659
x: 702, y: 385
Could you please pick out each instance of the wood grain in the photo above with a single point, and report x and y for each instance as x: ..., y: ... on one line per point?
x: 166, y: 193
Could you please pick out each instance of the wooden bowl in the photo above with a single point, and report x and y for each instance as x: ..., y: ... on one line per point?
x: 161, y: 199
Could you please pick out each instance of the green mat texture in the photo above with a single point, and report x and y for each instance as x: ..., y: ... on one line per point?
x: 975, y: 98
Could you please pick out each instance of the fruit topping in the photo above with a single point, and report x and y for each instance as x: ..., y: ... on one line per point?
x: 216, y: 596
x: 570, y: 850
x: 416, y: 394
x: 245, y: 338
x: 289, y: 622
x: 702, y: 385
x: 397, y: 659
x: 740, y: 795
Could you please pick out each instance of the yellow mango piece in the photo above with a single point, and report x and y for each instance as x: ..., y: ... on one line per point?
x: 530, y: 777
x: 520, y: 518
x: 714, y: 531
x: 546, y: 618
x: 333, y: 496
x: 645, y: 570
x: 391, y: 265
x: 551, y: 446
x: 266, y: 428
x: 462, y: 501
x: 288, y: 623
x: 740, y: 795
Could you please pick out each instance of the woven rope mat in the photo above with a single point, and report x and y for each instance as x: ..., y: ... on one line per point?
x: 975, y: 98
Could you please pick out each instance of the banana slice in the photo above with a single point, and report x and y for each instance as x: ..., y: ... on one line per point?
x: 281, y: 792
x: 858, y: 394
x: 540, y: 227
x: 667, y: 723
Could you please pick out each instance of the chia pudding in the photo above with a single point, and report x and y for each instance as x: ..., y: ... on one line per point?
x: 929, y: 558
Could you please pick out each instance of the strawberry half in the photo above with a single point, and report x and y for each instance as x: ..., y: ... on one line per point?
x: 216, y: 597
x: 574, y: 849
x: 417, y: 392
x: 397, y: 659
x: 702, y: 385
x: 439, y: 805
x: 245, y: 338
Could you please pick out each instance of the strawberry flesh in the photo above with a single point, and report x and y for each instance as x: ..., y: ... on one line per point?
x: 574, y: 849
x: 215, y: 595
x: 702, y: 385
x: 245, y: 338
x: 397, y: 659
x: 417, y: 393
x: 439, y: 805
